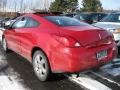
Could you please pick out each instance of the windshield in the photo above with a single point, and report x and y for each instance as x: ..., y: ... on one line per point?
x: 111, y: 18
x: 65, y: 21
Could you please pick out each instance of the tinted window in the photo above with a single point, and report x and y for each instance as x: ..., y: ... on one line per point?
x: 31, y: 22
x: 101, y: 16
x: 111, y: 18
x: 85, y: 16
x: 88, y: 17
x: 20, y: 23
x: 70, y: 15
x: 64, y: 21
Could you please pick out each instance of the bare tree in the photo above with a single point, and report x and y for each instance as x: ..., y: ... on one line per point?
x: 15, y: 5
x: 21, y: 5
x: 25, y: 6
x: 3, y: 4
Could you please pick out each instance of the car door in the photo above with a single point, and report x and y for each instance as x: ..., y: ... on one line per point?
x: 26, y: 36
x: 13, y: 37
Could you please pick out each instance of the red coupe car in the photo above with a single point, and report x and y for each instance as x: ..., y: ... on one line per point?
x: 59, y: 44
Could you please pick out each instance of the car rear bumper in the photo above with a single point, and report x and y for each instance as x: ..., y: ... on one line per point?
x: 72, y: 60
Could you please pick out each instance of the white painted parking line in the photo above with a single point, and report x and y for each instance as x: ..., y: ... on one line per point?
x: 106, y: 78
x: 89, y: 83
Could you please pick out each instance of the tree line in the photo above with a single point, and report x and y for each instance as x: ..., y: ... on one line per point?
x: 72, y: 6
x: 56, y: 5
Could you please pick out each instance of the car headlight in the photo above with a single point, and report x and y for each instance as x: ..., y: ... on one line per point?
x: 111, y: 30
x: 114, y: 30
x: 117, y: 31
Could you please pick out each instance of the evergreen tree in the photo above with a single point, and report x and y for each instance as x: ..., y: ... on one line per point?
x: 91, y: 6
x: 64, y: 5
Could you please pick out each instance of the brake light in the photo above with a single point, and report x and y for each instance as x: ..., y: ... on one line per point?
x: 67, y: 41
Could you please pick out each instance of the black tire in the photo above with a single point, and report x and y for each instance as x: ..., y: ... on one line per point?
x: 41, y: 66
x: 4, y: 45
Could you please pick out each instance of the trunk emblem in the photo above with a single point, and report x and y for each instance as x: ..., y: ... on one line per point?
x: 100, y: 36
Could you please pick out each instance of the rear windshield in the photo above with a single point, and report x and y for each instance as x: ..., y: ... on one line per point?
x: 65, y: 21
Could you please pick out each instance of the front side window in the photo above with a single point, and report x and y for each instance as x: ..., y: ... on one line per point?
x: 20, y: 23
x: 65, y: 21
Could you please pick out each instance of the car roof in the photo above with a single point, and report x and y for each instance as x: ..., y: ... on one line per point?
x: 93, y: 13
x: 115, y: 13
x: 42, y: 14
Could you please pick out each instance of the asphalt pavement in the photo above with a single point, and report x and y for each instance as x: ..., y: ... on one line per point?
x: 16, y: 73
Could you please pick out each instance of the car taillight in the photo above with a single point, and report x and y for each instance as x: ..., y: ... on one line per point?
x: 67, y: 41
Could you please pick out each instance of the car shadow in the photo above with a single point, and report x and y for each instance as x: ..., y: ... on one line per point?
x: 25, y: 71
x: 27, y: 78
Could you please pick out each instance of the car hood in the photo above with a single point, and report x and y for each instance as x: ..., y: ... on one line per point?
x: 85, y: 34
x: 107, y: 25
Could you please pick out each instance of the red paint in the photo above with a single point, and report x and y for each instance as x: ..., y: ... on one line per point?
x: 58, y: 44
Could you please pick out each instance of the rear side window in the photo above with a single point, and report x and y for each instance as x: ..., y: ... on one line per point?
x: 31, y: 23
x: 65, y: 21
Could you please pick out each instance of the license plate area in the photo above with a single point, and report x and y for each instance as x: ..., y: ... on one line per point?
x: 101, y: 54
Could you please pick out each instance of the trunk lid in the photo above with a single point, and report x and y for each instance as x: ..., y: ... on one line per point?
x: 85, y: 34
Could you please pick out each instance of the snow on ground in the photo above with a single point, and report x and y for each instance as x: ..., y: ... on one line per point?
x: 9, y: 79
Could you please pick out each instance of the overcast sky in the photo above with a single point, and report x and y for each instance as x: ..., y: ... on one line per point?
x: 39, y: 4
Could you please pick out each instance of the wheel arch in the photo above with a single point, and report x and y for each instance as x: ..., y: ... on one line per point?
x: 38, y: 48
x: 35, y: 49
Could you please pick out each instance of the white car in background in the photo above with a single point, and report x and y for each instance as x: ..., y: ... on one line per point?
x: 1, y: 33
x: 111, y: 23
x: 6, y: 24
